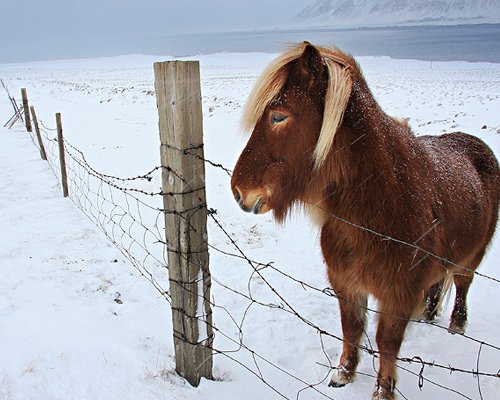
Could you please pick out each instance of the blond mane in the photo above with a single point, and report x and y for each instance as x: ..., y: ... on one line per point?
x: 272, y: 80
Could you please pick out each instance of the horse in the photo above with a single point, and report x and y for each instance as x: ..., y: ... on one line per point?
x: 400, y: 215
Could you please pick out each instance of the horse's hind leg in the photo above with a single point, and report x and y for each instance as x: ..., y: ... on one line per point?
x: 353, y: 315
x: 458, y: 318
x: 432, y: 299
x: 462, y: 280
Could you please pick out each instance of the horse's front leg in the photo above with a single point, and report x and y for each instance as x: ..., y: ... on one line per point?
x: 353, y: 316
x: 390, y: 332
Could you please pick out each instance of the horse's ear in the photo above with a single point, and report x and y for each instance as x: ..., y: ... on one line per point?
x: 309, y: 67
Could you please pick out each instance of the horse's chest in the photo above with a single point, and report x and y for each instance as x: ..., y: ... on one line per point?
x: 346, y: 249
x: 359, y: 260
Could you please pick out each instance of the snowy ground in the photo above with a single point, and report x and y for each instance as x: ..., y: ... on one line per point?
x: 64, y: 335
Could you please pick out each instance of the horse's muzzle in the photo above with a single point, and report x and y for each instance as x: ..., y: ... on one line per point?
x: 252, y: 202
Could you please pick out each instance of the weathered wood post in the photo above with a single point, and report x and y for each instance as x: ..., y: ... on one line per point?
x: 62, y: 157
x: 43, y: 154
x: 178, y: 96
x: 26, y: 109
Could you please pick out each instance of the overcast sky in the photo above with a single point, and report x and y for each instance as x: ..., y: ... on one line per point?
x: 86, y: 23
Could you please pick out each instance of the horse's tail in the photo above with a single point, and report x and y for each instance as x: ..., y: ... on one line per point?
x: 445, y: 292
x: 436, y: 297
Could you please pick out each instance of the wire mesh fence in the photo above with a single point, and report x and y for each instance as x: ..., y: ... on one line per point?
x: 131, y: 216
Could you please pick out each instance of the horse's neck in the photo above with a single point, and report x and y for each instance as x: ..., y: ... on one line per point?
x: 372, y: 140
x: 366, y: 153
x: 363, y: 114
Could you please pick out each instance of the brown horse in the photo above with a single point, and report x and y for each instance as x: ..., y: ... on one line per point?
x: 320, y: 140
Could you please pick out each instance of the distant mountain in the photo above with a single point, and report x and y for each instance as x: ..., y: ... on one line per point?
x: 398, y: 12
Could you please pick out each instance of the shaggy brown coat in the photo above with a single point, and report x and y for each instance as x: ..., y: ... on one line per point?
x: 392, y: 206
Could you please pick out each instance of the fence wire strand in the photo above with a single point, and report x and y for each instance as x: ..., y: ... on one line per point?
x: 132, y: 218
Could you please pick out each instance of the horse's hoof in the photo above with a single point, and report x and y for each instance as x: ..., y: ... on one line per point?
x: 385, y: 389
x: 381, y: 394
x: 341, y: 378
x: 429, y: 316
x: 379, y: 397
x: 455, y: 328
x: 336, y: 384
x: 458, y: 321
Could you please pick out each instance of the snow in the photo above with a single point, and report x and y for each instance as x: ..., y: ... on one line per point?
x: 65, y: 335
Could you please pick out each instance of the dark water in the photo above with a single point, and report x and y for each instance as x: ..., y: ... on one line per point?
x: 436, y: 43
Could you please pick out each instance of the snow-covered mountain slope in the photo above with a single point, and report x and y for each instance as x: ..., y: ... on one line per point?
x: 399, y: 12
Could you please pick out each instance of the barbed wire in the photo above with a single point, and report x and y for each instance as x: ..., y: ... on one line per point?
x: 18, y: 109
x: 121, y: 221
x: 258, y: 268
x: 288, y: 308
x: 369, y: 350
x: 410, y: 360
x: 383, y: 236
x: 134, y: 226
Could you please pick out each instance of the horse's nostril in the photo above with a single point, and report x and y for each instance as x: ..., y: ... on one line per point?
x: 257, y: 206
x: 237, y: 195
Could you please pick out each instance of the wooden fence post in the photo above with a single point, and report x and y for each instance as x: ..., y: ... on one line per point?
x: 178, y: 95
x: 62, y: 158
x: 43, y: 154
x: 26, y: 108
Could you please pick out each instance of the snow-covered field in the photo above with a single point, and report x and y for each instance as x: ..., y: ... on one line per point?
x: 65, y: 335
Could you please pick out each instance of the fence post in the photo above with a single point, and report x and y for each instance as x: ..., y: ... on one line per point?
x: 26, y: 108
x: 43, y: 154
x: 62, y: 158
x: 178, y: 95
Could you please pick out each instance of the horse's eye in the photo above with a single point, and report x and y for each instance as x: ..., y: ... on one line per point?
x: 278, y: 118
